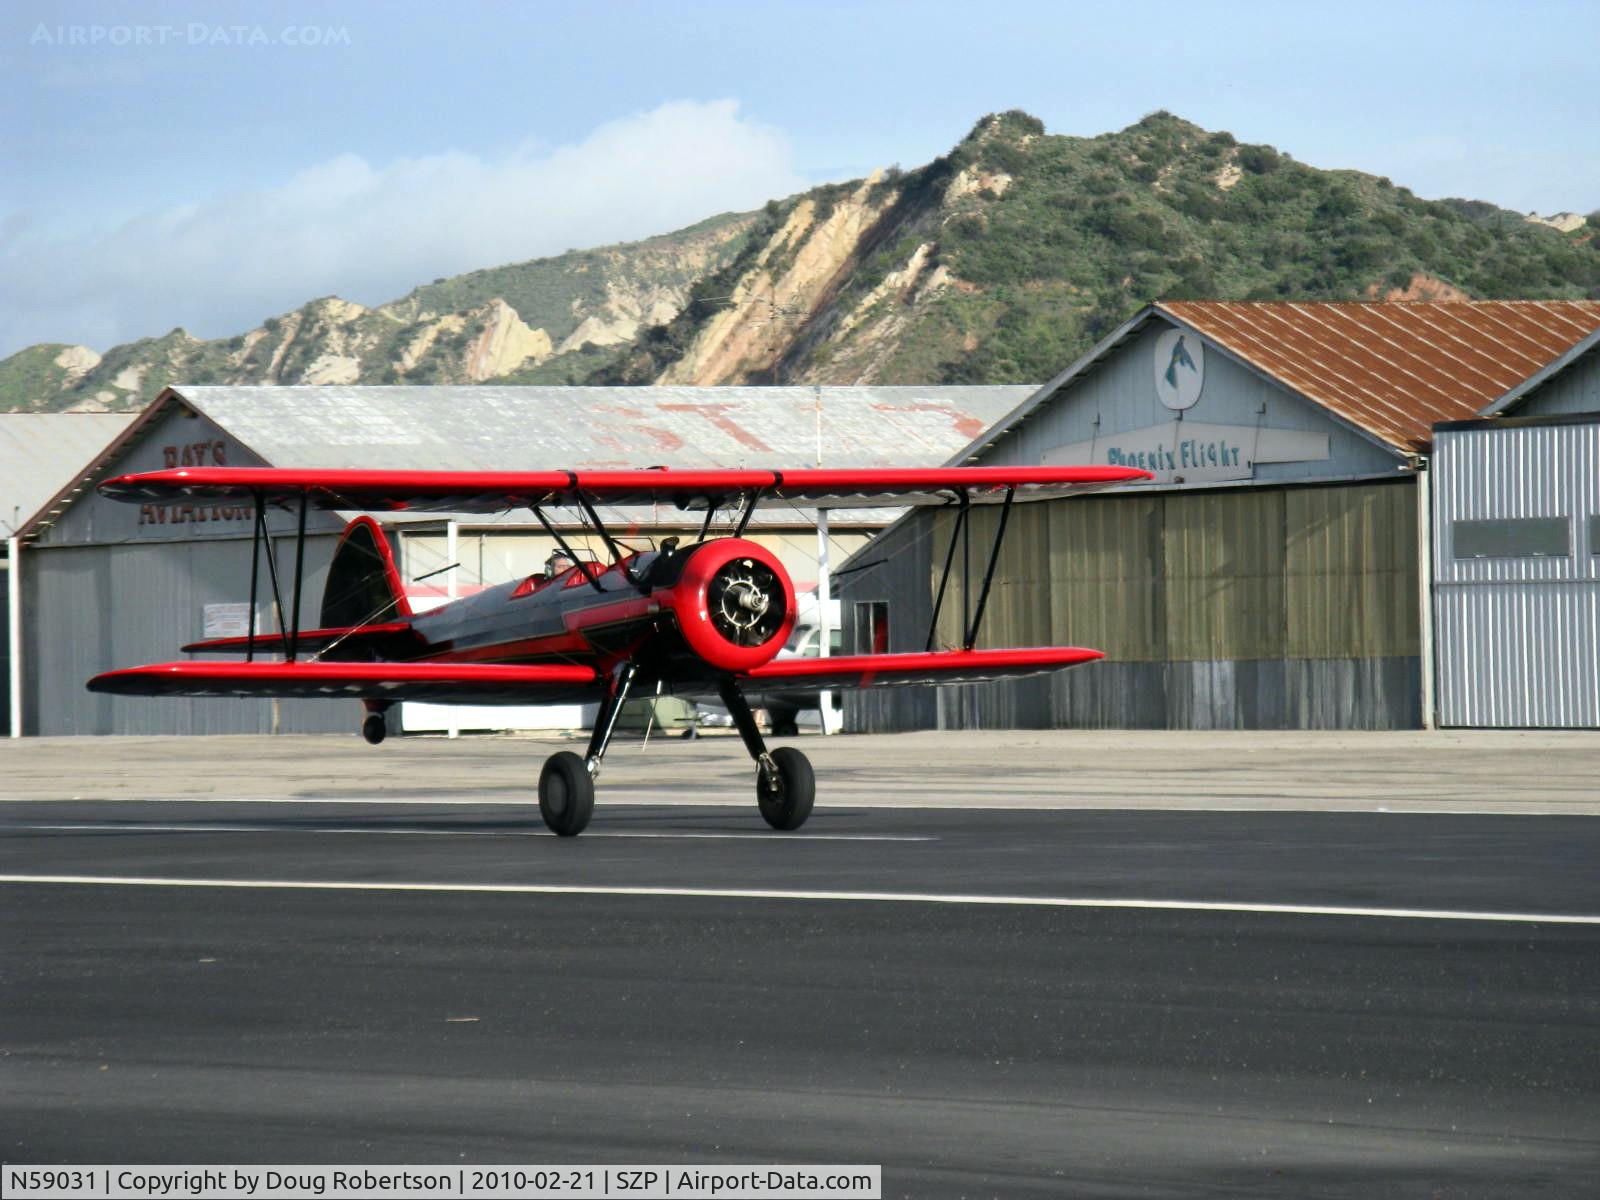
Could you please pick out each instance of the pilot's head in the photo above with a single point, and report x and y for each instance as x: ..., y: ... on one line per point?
x: 558, y: 562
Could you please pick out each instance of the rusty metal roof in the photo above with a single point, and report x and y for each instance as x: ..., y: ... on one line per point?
x: 41, y: 453
x: 1589, y: 348
x: 1394, y: 368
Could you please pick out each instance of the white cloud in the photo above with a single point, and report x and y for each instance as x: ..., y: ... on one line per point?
x: 370, y: 233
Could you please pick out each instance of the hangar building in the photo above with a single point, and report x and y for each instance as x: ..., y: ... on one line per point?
x: 1271, y: 576
x: 1516, y: 509
x: 108, y: 584
x: 40, y: 454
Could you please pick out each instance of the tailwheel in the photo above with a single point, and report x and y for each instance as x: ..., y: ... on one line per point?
x: 566, y: 794
x: 374, y: 728
x: 786, y: 789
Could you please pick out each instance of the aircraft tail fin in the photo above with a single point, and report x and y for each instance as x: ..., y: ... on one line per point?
x: 364, y: 585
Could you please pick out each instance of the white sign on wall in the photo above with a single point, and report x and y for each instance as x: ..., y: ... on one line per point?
x: 227, y: 620
x: 1180, y: 366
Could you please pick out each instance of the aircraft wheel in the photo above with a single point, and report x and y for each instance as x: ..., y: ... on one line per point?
x: 566, y: 794
x: 785, y: 798
x: 374, y: 728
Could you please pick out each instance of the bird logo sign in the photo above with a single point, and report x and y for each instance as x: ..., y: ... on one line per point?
x: 1180, y: 363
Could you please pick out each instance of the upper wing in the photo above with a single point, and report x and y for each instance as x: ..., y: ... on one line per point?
x: 492, y: 491
x: 944, y: 666
x: 466, y: 683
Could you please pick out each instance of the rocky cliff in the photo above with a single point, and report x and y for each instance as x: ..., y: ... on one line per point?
x: 560, y: 314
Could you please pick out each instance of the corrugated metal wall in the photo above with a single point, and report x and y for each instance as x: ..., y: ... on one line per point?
x: 905, y: 589
x: 5, y: 650
x: 93, y: 608
x: 1575, y: 390
x: 1245, y: 608
x: 1518, y: 637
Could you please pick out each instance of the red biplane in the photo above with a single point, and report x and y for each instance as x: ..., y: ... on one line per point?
x: 703, y: 617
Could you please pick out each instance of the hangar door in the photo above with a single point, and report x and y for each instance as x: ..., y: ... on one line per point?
x: 1250, y: 608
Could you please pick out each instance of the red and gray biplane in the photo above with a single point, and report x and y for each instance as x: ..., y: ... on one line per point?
x: 703, y: 617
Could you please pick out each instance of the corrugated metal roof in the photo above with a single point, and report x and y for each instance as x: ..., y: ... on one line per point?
x: 574, y: 428
x: 1392, y: 368
x: 41, y: 453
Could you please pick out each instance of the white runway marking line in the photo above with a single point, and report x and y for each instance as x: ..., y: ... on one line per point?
x: 562, y: 889
x: 152, y: 827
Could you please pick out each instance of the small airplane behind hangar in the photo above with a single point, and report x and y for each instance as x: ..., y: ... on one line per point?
x: 706, y: 617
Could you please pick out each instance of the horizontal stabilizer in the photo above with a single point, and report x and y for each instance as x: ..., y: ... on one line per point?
x: 944, y: 666
x: 357, y: 638
x: 462, y: 683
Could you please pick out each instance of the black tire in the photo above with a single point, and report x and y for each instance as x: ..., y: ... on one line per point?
x: 566, y: 794
x: 787, y: 805
x: 374, y: 728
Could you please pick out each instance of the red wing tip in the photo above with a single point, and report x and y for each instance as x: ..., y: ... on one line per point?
x: 121, y: 682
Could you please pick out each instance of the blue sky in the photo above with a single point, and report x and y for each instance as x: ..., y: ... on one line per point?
x: 200, y: 164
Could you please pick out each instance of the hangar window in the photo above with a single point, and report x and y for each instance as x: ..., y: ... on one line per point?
x: 1524, y: 537
x: 872, y: 627
x: 1594, y: 535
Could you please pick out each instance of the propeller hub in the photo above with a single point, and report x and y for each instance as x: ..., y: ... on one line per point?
x: 746, y: 602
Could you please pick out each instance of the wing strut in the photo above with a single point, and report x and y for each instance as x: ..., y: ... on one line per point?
x: 605, y: 536
x: 988, y: 574
x: 949, y: 561
x: 272, y: 564
x: 299, y: 576
x: 565, y: 549
x: 750, y: 503
x: 711, y: 512
x: 255, y: 576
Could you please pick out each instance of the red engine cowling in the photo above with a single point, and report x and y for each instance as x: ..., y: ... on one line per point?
x: 734, y: 603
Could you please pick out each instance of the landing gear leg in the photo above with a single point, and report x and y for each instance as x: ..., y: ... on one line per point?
x: 786, y: 787
x: 566, y: 785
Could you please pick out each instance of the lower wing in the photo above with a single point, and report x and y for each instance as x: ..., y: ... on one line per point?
x: 945, y: 666
x: 463, y: 683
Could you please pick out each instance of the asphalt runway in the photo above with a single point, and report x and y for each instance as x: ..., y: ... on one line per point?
x: 979, y: 1001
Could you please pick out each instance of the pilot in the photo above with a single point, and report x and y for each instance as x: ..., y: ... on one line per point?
x: 558, y: 562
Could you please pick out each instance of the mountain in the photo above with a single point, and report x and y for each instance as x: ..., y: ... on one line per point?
x: 1006, y: 259
x: 1000, y: 262
x: 538, y: 320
